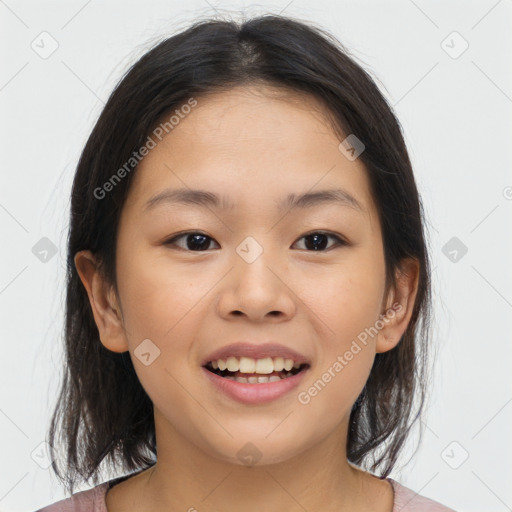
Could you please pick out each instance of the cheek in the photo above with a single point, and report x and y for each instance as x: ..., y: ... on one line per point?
x: 162, y: 305
x: 349, y: 304
x: 333, y: 388
x: 157, y: 294
x: 349, y: 299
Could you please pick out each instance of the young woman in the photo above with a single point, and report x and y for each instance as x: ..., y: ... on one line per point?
x: 248, y: 293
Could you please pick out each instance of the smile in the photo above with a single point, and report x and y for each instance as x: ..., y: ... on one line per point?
x: 253, y: 388
x: 248, y: 370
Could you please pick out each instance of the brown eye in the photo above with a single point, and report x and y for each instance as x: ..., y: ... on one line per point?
x: 196, y: 241
x: 318, y: 240
x: 193, y: 241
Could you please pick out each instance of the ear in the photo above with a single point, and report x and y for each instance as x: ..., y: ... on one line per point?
x: 399, y: 305
x: 104, y: 303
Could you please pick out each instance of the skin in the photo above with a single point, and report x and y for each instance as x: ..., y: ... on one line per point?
x: 255, y: 145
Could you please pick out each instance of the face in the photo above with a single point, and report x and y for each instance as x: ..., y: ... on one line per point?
x: 195, y: 276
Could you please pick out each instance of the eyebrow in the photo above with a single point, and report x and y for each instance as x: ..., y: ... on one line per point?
x: 291, y: 202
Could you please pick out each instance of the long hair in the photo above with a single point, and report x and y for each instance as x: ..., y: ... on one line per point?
x: 102, y: 411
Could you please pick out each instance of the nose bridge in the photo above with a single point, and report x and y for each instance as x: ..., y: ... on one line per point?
x: 250, y: 250
x: 252, y: 262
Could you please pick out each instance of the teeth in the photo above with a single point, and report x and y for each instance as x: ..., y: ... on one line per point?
x: 232, y: 364
x: 255, y: 380
x: 288, y: 364
x: 278, y: 364
x: 249, y: 365
x: 264, y: 366
x: 258, y: 380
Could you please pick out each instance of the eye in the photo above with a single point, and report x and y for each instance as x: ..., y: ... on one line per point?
x: 316, y: 240
x: 194, y: 241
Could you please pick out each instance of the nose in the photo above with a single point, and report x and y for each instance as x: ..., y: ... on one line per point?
x: 257, y: 290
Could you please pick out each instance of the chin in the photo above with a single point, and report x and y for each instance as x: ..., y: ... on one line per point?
x: 258, y: 451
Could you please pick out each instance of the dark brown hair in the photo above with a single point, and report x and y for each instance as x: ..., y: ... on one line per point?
x: 102, y: 412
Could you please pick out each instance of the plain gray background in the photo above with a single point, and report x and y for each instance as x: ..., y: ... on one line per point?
x: 454, y: 104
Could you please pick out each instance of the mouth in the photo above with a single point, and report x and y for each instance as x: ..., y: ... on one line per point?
x: 255, y: 374
x: 247, y: 370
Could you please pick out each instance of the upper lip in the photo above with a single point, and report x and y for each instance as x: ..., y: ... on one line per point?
x: 255, y: 351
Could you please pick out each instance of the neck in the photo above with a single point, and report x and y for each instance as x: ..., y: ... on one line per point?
x: 318, y: 479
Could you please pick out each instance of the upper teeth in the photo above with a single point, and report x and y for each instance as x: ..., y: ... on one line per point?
x: 250, y: 365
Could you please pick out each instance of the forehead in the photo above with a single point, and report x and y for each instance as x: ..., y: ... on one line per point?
x: 252, y: 143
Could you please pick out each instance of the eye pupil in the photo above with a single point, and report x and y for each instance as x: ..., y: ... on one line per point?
x: 198, y: 239
x: 316, y: 245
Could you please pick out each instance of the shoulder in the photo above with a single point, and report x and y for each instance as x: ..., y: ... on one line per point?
x: 91, y: 500
x: 406, y: 500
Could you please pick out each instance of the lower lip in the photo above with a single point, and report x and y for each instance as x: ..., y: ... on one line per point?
x: 255, y: 393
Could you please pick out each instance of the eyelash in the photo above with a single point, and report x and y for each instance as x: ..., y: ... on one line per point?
x: 340, y: 241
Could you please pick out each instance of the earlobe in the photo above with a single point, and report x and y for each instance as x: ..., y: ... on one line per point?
x: 106, y: 312
x: 401, y: 300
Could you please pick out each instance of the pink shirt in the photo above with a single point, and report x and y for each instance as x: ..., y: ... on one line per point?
x: 93, y: 500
